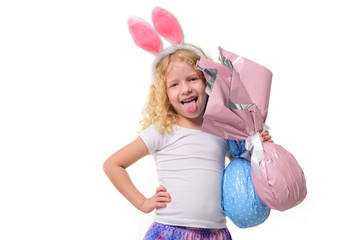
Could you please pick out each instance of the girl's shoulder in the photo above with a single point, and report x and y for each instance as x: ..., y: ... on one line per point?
x: 153, y: 138
x: 177, y: 132
x: 151, y: 130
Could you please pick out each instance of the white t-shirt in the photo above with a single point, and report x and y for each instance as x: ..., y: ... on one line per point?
x: 190, y: 165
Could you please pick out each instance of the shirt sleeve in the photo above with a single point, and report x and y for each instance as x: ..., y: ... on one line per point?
x: 152, y: 138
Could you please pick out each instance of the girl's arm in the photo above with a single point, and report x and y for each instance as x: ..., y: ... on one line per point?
x: 115, y: 168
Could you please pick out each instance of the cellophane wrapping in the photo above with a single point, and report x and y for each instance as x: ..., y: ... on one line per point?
x: 239, y: 93
x: 240, y: 201
x: 282, y: 184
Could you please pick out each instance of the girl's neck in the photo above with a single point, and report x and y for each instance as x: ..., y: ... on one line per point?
x: 190, y: 123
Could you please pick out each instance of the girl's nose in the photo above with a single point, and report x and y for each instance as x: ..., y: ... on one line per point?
x: 186, y: 88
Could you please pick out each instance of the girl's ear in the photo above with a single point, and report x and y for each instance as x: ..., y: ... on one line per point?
x: 144, y: 35
x: 167, y: 25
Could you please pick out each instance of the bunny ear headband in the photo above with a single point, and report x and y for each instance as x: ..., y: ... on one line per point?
x: 165, y: 24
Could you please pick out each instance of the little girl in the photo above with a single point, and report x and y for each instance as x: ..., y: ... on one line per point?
x: 189, y: 162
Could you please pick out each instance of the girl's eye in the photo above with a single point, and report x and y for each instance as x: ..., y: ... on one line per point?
x: 193, y: 79
x: 173, y: 85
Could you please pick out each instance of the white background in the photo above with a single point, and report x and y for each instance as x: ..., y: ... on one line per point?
x: 73, y: 84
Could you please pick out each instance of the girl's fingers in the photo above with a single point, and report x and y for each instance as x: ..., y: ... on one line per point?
x: 161, y: 189
x: 161, y: 192
x: 264, y: 134
x: 158, y: 200
x: 165, y: 196
x: 266, y: 137
x: 160, y: 205
x: 163, y: 199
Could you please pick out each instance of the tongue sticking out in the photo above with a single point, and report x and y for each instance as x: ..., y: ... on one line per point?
x: 190, y: 107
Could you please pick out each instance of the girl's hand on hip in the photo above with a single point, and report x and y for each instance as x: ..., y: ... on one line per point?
x: 158, y: 200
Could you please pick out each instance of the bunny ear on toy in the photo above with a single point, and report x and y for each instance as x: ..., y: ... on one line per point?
x: 167, y: 25
x: 144, y: 35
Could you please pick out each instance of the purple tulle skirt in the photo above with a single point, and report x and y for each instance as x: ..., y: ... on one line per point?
x: 167, y: 232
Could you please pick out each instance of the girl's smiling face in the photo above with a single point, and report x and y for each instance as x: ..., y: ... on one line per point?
x: 186, y: 92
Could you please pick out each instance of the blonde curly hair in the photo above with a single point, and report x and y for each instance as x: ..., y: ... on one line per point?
x: 157, y: 110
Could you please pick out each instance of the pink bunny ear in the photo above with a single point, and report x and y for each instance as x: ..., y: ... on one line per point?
x: 167, y: 25
x: 144, y: 35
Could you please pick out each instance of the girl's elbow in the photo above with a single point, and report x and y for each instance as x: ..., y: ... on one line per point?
x: 110, y: 165
x: 107, y: 166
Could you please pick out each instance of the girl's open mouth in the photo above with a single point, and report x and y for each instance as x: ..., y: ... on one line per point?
x: 189, y: 100
x: 190, y: 104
